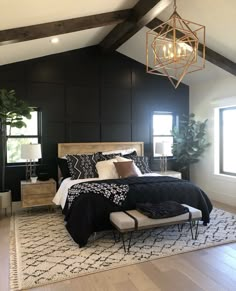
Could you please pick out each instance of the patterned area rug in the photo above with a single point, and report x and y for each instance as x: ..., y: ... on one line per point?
x: 43, y: 252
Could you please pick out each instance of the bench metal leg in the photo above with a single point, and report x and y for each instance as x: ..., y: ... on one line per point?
x: 180, y: 227
x: 123, y: 241
x: 196, y: 231
x: 130, y: 237
x: 191, y: 228
x: 114, y: 235
x: 194, y: 224
x: 129, y: 240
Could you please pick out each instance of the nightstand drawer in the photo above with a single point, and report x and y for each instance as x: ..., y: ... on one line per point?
x: 35, y: 189
x: 30, y: 200
x: 40, y: 193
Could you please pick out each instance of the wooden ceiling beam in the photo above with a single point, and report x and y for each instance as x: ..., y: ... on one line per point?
x: 210, y: 55
x: 62, y: 26
x: 143, y: 13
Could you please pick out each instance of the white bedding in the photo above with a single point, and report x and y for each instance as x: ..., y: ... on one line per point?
x: 61, y: 195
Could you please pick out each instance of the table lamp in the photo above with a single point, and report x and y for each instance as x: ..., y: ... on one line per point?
x: 160, y: 150
x: 31, y: 153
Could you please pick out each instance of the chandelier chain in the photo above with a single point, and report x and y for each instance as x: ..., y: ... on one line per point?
x: 175, y: 6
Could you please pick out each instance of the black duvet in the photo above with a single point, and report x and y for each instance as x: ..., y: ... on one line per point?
x: 90, y: 212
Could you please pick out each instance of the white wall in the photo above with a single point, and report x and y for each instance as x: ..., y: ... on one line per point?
x: 203, y: 98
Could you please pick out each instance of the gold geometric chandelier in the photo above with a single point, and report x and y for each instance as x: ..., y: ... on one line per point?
x: 172, y: 48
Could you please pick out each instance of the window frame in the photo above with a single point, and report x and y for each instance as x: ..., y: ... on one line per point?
x: 221, y: 143
x: 175, y: 119
x: 38, y: 136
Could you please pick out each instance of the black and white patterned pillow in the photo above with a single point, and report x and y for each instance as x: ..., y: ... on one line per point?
x: 129, y: 156
x: 82, y: 166
x: 142, y: 163
x: 105, y: 157
x: 63, y: 165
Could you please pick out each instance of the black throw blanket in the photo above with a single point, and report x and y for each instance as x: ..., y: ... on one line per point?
x: 90, y: 212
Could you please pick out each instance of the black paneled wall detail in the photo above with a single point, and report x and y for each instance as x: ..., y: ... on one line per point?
x: 86, y: 96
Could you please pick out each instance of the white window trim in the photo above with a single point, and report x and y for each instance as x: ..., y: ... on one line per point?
x: 155, y: 156
x: 217, y: 105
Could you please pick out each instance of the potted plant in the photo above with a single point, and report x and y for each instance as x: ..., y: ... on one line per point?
x: 189, y: 142
x: 12, y: 112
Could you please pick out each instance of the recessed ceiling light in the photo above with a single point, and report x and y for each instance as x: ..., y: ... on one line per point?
x: 54, y: 40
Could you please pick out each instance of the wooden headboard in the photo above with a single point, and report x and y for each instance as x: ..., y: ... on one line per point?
x: 93, y: 147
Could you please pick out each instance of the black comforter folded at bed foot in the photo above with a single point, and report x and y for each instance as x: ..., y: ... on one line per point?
x: 162, y: 210
x: 90, y: 212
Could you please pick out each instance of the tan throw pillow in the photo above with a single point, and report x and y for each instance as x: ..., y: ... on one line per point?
x: 126, y: 169
x: 106, y: 169
x: 122, y: 159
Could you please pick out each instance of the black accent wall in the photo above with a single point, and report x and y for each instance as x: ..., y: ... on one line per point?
x: 86, y: 96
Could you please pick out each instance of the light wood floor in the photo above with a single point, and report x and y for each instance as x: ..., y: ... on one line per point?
x: 208, y: 269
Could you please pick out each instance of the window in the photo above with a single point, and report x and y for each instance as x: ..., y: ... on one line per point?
x: 227, y: 138
x: 24, y: 135
x: 163, y: 123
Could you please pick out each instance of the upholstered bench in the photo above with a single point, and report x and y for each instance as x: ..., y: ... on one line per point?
x: 132, y: 220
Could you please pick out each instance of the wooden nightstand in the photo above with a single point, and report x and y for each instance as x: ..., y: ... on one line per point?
x: 170, y: 174
x: 40, y: 193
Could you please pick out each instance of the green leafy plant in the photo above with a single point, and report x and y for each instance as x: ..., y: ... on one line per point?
x: 12, y: 112
x: 189, y: 141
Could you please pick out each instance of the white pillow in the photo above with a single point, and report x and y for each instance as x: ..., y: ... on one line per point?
x: 122, y: 159
x: 107, y: 169
x: 123, y: 152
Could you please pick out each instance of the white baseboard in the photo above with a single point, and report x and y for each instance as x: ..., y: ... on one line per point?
x: 223, y: 198
x: 16, y: 205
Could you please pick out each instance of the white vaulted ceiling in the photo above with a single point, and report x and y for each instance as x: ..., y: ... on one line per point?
x: 22, y: 13
x: 15, y: 13
x: 218, y: 16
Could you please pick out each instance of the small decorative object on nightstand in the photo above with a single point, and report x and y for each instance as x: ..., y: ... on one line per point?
x: 33, y: 179
x: 39, y: 193
x: 173, y: 174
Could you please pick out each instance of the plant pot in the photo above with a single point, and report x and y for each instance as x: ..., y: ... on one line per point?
x: 5, y: 200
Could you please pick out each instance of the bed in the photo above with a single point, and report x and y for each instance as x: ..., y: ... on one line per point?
x: 88, y: 201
